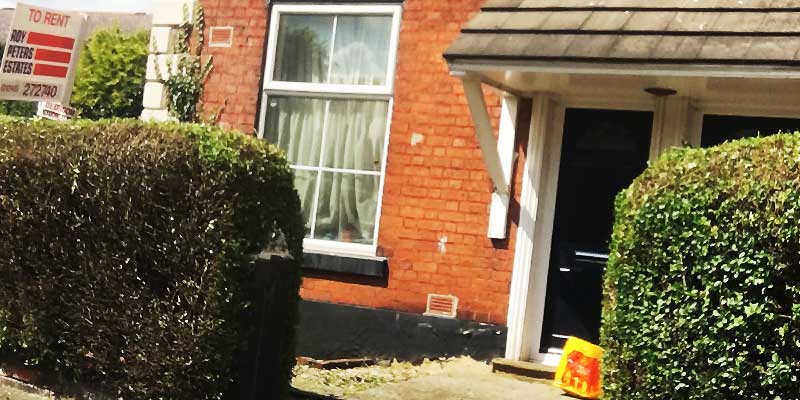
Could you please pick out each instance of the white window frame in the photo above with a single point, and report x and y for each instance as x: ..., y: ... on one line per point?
x: 383, y: 92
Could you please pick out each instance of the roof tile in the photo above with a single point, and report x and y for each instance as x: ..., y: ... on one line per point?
x: 607, y: 20
x: 634, y: 47
x: 773, y: 48
x: 740, y: 22
x: 488, y: 21
x: 573, y: 20
x: 648, y: 3
x: 598, y: 47
x: 693, y: 21
x: 526, y: 20
x: 502, y: 3
x: 687, y: 31
x: 678, y: 47
x: 725, y: 47
x: 658, y: 21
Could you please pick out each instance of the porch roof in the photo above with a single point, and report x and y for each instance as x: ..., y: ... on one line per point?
x: 747, y: 35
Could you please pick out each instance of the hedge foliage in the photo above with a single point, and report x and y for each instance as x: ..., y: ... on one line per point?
x: 125, y: 254
x: 16, y: 108
x: 703, y: 282
x: 109, y: 81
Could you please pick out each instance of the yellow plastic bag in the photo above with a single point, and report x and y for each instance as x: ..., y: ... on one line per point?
x: 579, y: 370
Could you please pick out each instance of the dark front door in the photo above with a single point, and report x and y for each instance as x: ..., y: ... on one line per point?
x: 602, y: 152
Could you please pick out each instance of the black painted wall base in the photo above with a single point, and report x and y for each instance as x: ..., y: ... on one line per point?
x: 332, y: 331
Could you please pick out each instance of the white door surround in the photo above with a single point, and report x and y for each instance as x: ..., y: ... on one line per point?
x: 534, y: 233
x: 677, y: 121
x: 538, y: 201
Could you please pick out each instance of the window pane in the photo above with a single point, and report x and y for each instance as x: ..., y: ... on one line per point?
x: 295, y: 125
x: 718, y: 129
x: 347, y: 206
x: 361, y: 51
x: 305, y: 182
x: 356, y: 134
x: 304, y: 47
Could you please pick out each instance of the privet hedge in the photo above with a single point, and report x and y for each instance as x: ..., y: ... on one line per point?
x: 703, y: 283
x: 125, y: 254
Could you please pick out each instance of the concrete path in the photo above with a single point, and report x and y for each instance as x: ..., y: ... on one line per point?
x: 464, y: 380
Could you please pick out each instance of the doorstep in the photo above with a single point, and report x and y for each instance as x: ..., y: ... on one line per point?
x: 524, y: 369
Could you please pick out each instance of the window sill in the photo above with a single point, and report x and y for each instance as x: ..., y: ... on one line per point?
x: 344, y: 249
x: 375, y: 267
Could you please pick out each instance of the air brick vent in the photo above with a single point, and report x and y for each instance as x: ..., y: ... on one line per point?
x: 442, y: 306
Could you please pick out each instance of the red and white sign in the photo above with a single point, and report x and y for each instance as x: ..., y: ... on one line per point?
x: 55, y: 111
x: 41, y: 54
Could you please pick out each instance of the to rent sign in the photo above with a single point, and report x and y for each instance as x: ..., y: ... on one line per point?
x: 40, y: 55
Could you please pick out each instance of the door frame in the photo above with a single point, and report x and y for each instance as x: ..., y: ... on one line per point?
x: 532, y: 251
x: 538, y: 199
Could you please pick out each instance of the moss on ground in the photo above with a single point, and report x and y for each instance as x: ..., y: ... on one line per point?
x: 346, y: 382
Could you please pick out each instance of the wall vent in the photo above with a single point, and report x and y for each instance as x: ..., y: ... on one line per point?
x: 442, y: 306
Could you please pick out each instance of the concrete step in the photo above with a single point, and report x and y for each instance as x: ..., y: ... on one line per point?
x: 523, y: 368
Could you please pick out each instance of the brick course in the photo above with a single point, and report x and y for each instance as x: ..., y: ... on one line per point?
x: 436, y: 190
x: 234, y: 84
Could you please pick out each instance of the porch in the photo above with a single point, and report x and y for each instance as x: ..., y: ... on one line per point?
x: 686, y: 65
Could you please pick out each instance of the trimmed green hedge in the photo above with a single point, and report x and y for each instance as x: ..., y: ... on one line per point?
x: 16, y: 108
x: 703, y: 282
x: 125, y: 258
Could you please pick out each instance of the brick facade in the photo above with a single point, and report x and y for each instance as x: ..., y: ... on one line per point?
x: 234, y: 85
x: 437, y: 193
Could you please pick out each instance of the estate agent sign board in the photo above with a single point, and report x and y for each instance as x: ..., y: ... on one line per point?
x: 41, y: 54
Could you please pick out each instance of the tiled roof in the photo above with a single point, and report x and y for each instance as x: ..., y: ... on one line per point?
x: 731, y: 32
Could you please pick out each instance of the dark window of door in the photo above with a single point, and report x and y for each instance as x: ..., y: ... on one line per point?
x: 602, y: 152
x: 718, y: 129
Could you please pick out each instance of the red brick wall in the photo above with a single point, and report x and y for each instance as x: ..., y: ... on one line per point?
x: 438, y: 188
x: 233, y: 86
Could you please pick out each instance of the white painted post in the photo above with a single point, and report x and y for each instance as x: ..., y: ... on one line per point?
x: 534, y: 234
x: 168, y: 16
x: 483, y: 130
x: 694, y: 128
x: 498, y: 214
x: 676, y: 121
x: 657, y: 134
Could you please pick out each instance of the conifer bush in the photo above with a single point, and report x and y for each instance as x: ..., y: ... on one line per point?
x: 109, y: 82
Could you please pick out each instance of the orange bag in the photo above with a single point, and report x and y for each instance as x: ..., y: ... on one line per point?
x: 579, y: 370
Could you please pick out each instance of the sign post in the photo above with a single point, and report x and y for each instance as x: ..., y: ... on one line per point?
x: 41, y: 55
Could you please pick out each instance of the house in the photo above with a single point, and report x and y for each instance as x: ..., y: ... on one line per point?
x: 472, y: 150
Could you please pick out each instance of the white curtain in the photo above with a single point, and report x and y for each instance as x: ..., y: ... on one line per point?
x: 295, y: 125
x: 348, y: 201
x: 354, y: 140
x: 356, y: 131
